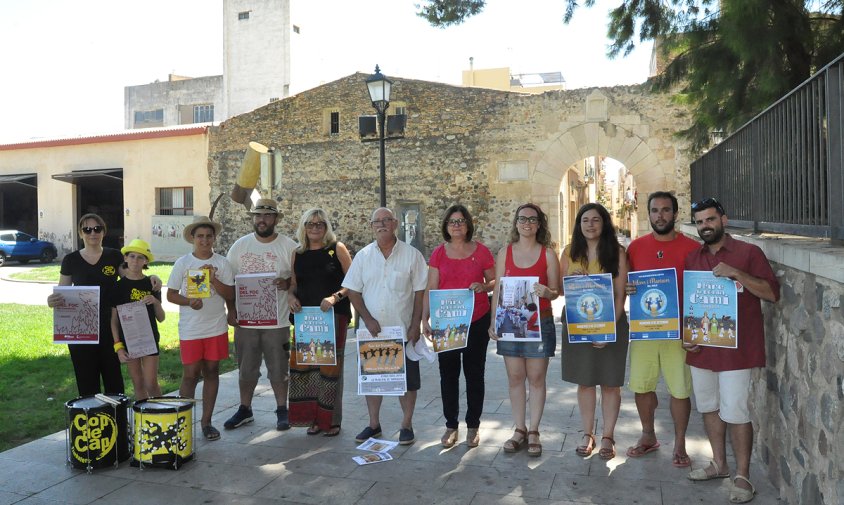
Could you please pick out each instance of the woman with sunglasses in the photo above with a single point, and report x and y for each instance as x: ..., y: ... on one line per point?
x: 319, y: 264
x: 462, y: 263
x: 528, y: 254
x: 594, y: 249
x: 95, y: 265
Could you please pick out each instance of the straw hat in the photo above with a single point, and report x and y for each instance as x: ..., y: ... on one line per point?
x: 265, y: 206
x: 138, y: 246
x: 200, y: 221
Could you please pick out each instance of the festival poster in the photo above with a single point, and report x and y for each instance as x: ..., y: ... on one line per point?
x: 314, y: 337
x: 199, y: 283
x: 137, y: 330
x: 655, y: 306
x: 590, y: 308
x: 517, y: 313
x: 451, y: 315
x: 381, y: 363
x: 256, y: 298
x: 77, y: 321
x: 710, y: 308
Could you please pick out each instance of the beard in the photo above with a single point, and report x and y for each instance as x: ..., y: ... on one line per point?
x: 715, y: 237
x: 266, y: 232
x: 664, y: 230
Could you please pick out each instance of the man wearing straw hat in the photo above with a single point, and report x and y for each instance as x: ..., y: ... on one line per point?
x: 264, y: 251
x: 203, y: 331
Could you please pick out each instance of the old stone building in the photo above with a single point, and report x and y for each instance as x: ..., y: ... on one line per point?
x: 489, y: 150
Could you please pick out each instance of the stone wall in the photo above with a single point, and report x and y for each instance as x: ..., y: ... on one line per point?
x: 457, y: 141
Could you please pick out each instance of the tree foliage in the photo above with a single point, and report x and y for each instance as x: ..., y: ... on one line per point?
x: 728, y: 59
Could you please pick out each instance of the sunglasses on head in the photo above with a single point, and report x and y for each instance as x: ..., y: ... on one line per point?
x: 708, y: 203
x: 87, y: 230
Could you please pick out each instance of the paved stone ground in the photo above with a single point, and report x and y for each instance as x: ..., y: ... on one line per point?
x: 257, y: 464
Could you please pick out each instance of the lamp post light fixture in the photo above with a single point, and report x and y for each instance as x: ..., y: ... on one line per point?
x: 379, y: 92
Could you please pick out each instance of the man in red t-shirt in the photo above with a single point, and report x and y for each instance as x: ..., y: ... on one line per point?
x: 721, y: 376
x: 664, y: 247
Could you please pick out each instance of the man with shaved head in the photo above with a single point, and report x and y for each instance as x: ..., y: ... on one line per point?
x: 386, y: 283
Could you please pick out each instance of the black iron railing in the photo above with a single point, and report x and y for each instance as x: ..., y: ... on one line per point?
x: 782, y: 171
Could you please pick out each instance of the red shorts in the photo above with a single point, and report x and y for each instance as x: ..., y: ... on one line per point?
x: 209, y: 349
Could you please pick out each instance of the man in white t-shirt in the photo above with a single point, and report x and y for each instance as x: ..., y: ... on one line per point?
x: 203, y: 332
x: 386, y: 284
x: 263, y: 251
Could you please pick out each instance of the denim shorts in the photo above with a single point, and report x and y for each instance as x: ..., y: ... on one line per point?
x: 544, y: 349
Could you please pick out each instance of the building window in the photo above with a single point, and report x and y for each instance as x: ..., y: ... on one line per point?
x: 147, y: 118
x: 203, y: 113
x: 335, y: 123
x: 400, y: 110
x: 174, y: 201
x: 242, y: 16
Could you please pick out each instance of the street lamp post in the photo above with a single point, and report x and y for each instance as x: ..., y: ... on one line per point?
x: 379, y: 92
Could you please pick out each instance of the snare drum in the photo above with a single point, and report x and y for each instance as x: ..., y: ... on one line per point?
x: 163, y: 432
x: 96, y: 432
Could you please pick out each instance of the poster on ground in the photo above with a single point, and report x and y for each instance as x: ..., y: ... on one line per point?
x: 314, y: 336
x: 381, y: 362
x: 451, y: 315
x: 517, y: 313
x: 137, y: 330
x: 710, y: 308
x: 256, y: 298
x: 590, y: 308
x: 654, y: 307
x: 77, y: 321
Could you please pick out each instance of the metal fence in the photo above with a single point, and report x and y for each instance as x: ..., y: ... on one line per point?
x: 782, y: 171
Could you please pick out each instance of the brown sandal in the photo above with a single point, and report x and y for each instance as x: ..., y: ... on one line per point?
x: 514, y: 445
x: 586, y: 450
x: 534, y: 449
x: 605, y: 453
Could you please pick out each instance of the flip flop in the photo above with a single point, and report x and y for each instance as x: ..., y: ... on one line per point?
x: 637, y: 451
x: 332, y: 431
x: 681, y: 461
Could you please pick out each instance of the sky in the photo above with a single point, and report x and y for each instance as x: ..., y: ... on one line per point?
x: 65, y: 63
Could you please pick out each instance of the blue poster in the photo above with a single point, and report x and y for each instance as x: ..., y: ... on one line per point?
x: 590, y: 308
x: 655, y: 306
x: 314, y: 336
x: 451, y: 315
x: 710, y: 308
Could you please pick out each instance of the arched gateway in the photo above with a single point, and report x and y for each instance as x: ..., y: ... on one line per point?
x: 489, y: 150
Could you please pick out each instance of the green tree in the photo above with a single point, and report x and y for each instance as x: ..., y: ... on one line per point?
x: 728, y: 59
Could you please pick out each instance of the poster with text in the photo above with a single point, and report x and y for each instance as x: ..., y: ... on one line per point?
x: 517, y: 313
x: 199, y: 283
x: 314, y: 336
x: 655, y: 306
x: 710, y: 310
x: 451, y: 315
x: 590, y: 308
x: 256, y: 298
x: 137, y: 330
x: 381, y: 362
x: 77, y: 320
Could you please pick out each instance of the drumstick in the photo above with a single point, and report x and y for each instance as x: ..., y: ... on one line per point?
x: 105, y: 399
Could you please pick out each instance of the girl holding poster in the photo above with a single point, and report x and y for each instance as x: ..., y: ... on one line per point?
x: 134, y: 286
x: 319, y: 264
x: 594, y: 249
x: 529, y: 254
x: 461, y: 263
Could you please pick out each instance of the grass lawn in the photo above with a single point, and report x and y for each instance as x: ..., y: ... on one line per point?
x: 51, y: 272
x: 36, y: 376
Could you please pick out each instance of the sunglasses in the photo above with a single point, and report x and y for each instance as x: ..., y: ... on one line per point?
x: 708, y: 203
x: 315, y: 226
x: 456, y: 222
x: 87, y: 230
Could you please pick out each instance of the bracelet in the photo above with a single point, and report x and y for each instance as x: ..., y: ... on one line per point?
x: 118, y: 346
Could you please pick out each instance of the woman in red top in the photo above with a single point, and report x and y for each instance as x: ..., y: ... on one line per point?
x: 529, y: 254
x: 461, y: 263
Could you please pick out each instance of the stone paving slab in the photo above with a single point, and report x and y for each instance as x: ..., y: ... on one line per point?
x: 257, y: 464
